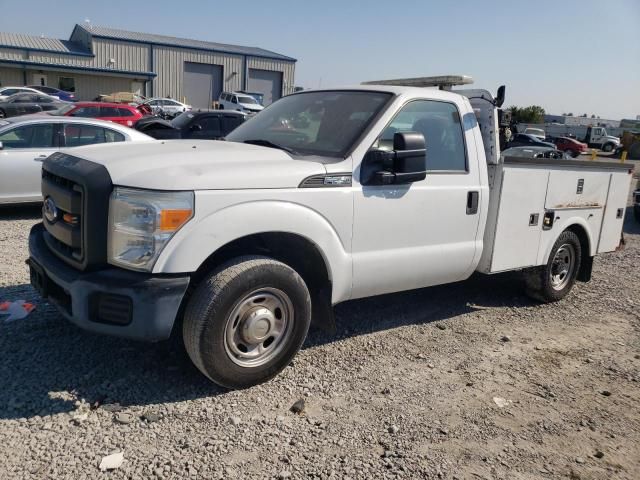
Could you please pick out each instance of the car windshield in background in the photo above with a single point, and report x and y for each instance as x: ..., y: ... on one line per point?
x: 248, y: 100
x: 315, y: 123
x: 62, y: 110
x: 181, y: 120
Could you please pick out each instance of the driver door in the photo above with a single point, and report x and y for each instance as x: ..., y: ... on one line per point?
x: 24, y: 149
x: 423, y: 233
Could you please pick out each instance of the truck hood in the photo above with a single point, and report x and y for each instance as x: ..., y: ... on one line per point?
x: 613, y: 139
x: 198, y: 165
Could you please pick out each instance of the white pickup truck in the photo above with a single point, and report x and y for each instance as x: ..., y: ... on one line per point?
x: 323, y: 197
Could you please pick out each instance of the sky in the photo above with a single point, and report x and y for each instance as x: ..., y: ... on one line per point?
x: 578, y: 56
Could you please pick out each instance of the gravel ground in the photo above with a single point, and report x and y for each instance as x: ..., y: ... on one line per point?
x: 471, y: 380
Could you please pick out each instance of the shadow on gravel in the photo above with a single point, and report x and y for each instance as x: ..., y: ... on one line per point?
x: 44, y: 357
x: 631, y: 225
x: 31, y: 211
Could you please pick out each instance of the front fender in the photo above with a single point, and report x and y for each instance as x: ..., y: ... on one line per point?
x: 209, y: 231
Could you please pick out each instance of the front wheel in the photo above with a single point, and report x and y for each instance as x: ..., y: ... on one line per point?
x: 608, y: 147
x: 554, y: 281
x: 246, y: 321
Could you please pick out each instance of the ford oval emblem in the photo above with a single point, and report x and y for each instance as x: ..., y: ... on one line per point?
x: 49, y: 210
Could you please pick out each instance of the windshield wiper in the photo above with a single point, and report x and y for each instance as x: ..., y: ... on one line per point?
x: 267, y: 143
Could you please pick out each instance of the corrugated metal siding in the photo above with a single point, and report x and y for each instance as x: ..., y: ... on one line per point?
x: 88, y: 87
x: 55, y: 58
x: 10, y: 77
x: 168, y: 63
x: 169, y: 41
x: 287, y: 69
x: 12, y: 54
x: 127, y: 55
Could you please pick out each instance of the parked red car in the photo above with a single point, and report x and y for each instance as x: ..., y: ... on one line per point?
x: 571, y: 144
x: 113, y: 112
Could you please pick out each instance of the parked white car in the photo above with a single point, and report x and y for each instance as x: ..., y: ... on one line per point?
x: 25, y: 142
x: 6, y: 92
x: 363, y: 191
x: 536, y: 132
x: 239, y: 101
x: 167, y: 106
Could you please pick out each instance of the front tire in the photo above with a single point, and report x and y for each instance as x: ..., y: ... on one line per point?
x: 608, y: 147
x: 246, y: 321
x: 553, y: 281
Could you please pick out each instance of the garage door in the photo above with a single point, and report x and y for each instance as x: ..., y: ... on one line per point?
x: 202, y: 83
x: 266, y: 82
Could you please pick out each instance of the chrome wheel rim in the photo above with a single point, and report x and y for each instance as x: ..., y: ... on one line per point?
x: 258, y: 327
x: 562, y: 266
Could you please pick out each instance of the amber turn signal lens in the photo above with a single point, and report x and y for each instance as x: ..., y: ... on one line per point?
x: 171, y: 220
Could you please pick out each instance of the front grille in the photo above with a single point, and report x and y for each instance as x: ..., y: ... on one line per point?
x: 65, y: 238
x: 75, y: 210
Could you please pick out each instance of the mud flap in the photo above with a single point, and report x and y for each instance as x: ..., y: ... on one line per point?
x: 586, y: 266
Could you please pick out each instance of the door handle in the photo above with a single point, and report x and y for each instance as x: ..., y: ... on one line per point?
x: 40, y: 158
x: 473, y: 199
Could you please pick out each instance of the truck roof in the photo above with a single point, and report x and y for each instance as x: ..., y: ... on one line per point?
x: 396, y: 90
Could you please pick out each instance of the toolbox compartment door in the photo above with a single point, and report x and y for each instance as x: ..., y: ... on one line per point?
x: 519, y: 218
x: 576, y: 188
x: 613, y: 219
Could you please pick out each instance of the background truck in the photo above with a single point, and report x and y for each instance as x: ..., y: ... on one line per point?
x: 594, y: 137
x: 323, y: 197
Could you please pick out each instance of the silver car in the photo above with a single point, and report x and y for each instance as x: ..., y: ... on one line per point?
x: 167, y: 106
x: 26, y: 141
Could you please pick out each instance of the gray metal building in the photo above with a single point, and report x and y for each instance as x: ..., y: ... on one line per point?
x: 99, y: 60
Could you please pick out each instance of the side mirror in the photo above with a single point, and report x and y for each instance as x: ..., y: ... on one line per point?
x: 499, y: 100
x: 407, y: 163
x: 196, y: 127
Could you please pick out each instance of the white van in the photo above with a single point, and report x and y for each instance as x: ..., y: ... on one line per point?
x: 239, y: 101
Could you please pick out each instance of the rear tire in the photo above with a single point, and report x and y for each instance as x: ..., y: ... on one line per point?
x: 246, y: 321
x: 553, y: 281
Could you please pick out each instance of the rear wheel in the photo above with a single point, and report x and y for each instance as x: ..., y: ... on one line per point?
x: 554, y: 281
x: 246, y: 321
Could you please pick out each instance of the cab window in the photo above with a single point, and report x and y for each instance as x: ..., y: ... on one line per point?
x: 441, y: 126
x: 210, y: 126
x: 77, y: 135
x: 86, y: 112
x: 28, y: 136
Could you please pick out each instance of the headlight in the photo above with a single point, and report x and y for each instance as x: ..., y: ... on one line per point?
x: 141, y: 222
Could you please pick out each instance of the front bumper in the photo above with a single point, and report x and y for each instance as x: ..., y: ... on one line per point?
x: 111, y: 301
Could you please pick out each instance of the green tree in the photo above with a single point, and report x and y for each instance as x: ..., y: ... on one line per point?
x: 531, y: 114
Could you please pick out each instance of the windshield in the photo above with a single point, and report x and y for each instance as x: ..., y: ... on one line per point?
x: 181, y: 120
x: 249, y: 100
x: 315, y: 123
x: 62, y: 110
